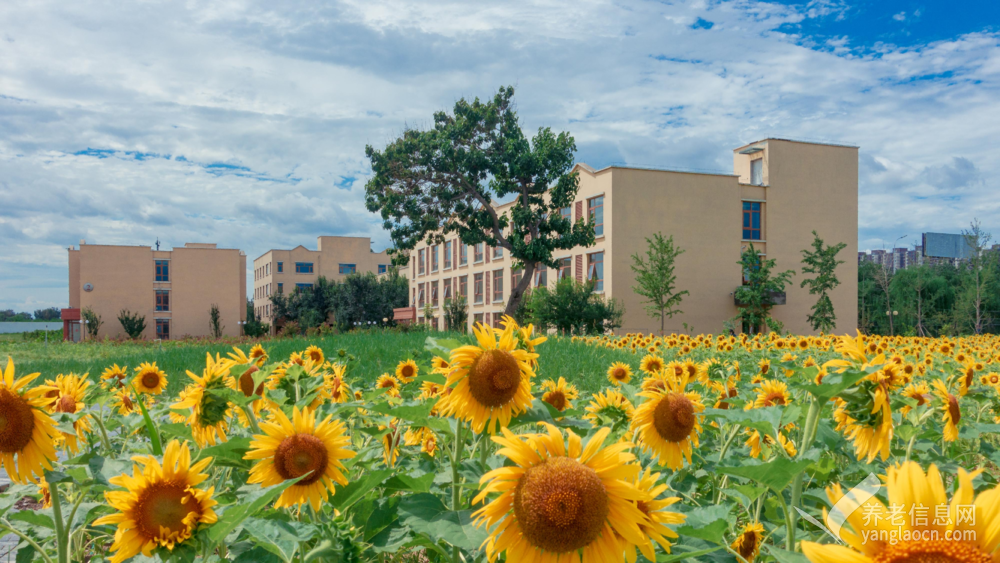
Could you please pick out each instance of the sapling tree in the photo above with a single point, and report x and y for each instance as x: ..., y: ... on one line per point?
x: 821, y: 261
x: 655, y: 279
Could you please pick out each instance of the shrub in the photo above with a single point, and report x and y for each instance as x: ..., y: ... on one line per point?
x: 573, y: 308
x: 253, y: 327
x: 132, y: 323
x: 215, y: 321
x: 290, y: 329
x: 456, y: 314
x: 93, y: 323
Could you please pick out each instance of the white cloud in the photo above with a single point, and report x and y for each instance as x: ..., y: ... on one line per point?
x: 244, y: 123
x: 899, y: 17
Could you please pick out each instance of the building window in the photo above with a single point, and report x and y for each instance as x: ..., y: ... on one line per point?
x: 477, y: 318
x: 515, y: 278
x: 541, y: 275
x: 595, y: 270
x: 383, y: 268
x: 595, y: 212
x: 162, y: 300
x: 565, y: 265
x: 463, y: 254
x: 281, y: 287
x: 498, y: 252
x: 420, y: 261
x: 566, y: 213
x: 477, y: 289
x: 163, y: 329
x: 447, y: 288
x: 757, y: 172
x: 303, y: 267
x: 447, y: 255
x: 463, y: 287
x: 497, y: 317
x: 497, y: 285
x: 281, y: 267
x: 477, y: 253
x: 349, y: 268
x: 434, y: 258
x: 163, y: 270
x: 303, y: 286
x: 420, y: 295
x: 751, y: 220
x: 434, y: 293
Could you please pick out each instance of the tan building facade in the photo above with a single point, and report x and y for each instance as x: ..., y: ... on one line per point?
x: 279, y: 271
x: 174, y: 289
x: 780, y: 192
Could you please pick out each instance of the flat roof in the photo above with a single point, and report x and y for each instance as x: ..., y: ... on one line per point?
x: 656, y: 169
x: 824, y: 143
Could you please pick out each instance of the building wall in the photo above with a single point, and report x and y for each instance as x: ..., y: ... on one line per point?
x: 702, y: 212
x: 123, y: 279
x: 326, y: 260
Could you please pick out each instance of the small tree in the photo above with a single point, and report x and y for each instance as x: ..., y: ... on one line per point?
x: 756, y: 295
x: 254, y: 328
x: 456, y: 314
x: 132, y: 323
x: 655, y: 278
x: 979, y: 275
x: 93, y: 323
x: 215, y: 321
x: 573, y: 308
x: 823, y: 262
x: 449, y: 179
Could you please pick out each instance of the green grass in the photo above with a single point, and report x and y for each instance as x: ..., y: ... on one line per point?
x: 375, y: 353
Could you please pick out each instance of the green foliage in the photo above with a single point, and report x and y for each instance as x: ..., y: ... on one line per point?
x: 93, y: 323
x: 359, y: 300
x: 8, y: 315
x: 50, y: 314
x: 822, y: 261
x: 573, y: 308
x: 655, y: 278
x: 132, y: 323
x: 215, y: 321
x: 456, y: 314
x: 254, y: 328
x: 429, y: 184
x: 756, y: 294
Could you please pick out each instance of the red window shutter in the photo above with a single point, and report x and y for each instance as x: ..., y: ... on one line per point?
x: 487, y: 251
x: 413, y: 263
x: 579, y: 267
x: 486, y: 294
x: 454, y: 247
x: 579, y: 210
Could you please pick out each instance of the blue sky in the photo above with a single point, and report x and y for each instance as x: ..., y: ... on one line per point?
x: 245, y: 123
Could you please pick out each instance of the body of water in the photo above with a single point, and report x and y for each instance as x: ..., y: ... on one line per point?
x: 6, y: 328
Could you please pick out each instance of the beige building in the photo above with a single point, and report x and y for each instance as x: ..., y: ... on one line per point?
x: 278, y: 271
x: 779, y: 192
x: 174, y: 289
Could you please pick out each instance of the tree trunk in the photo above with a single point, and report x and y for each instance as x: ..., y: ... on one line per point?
x: 517, y: 293
x: 662, y: 321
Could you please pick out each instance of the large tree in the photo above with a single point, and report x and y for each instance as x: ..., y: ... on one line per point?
x: 452, y: 178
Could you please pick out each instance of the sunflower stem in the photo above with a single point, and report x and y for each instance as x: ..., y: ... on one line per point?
x: 456, y: 490
x: 62, y: 551
x: 104, y: 432
x: 31, y: 542
x: 251, y: 418
x: 789, y: 523
x: 808, y: 435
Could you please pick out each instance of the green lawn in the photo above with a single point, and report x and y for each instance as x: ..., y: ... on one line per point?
x: 376, y: 354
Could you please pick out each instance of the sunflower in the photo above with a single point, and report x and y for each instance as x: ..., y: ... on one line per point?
x: 67, y: 392
x: 258, y: 355
x: 871, y: 435
x: 951, y: 413
x: 654, y: 508
x: 608, y: 404
x: 992, y: 379
x: 26, y: 430
x: 209, y: 413
x: 770, y: 393
x: 406, y: 371
x: 651, y: 364
x: 439, y: 365
x: 315, y: 354
x: 757, y: 440
x: 429, y: 444
x: 619, y: 373
x: 667, y: 423
x: 114, y: 377
x: 389, y: 383
x: 292, y: 448
x: 430, y: 390
x: 765, y: 366
x: 333, y: 381
x: 44, y: 493
x: 561, y: 501
x: 490, y: 382
x: 967, y: 531
x: 161, y: 505
x: 919, y: 391
x: 559, y: 394
x: 390, y: 442
x: 747, y: 544
x: 149, y: 379
x: 125, y: 403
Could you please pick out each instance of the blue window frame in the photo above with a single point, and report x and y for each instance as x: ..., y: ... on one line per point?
x: 281, y: 287
x: 751, y: 220
x: 303, y: 267
x: 383, y: 268
x: 163, y: 270
x: 303, y: 285
x: 281, y: 267
x: 162, y: 300
x: 347, y: 268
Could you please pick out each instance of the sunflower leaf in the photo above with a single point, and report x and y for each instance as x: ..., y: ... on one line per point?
x: 425, y: 514
x: 834, y: 384
x: 764, y: 419
x: 154, y: 433
x: 355, y: 490
x: 776, y: 474
x: 668, y: 558
x: 229, y: 453
x: 256, y: 499
x: 280, y: 538
x: 783, y: 556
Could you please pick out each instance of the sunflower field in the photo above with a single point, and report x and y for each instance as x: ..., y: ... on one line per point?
x: 695, y: 448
